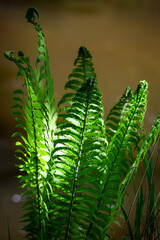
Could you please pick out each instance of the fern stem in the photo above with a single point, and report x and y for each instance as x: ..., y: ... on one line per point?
x: 139, y: 187
x: 151, y: 185
x: 149, y: 210
x: 78, y: 160
x: 84, y: 64
x: 36, y: 159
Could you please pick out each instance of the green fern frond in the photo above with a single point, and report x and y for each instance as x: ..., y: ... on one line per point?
x: 115, y: 115
x: 83, y: 71
x: 78, y: 154
x: 120, y: 159
x: 37, y: 117
x: 153, y: 133
x: 43, y: 74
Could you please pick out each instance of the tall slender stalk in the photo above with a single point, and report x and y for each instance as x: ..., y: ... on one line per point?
x: 36, y: 160
x: 137, y: 192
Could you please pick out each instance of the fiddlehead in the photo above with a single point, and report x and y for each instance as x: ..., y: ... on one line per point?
x: 30, y: 15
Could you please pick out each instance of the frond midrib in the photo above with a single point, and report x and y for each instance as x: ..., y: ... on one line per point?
x: 36, y: 156
x: 78, y: 160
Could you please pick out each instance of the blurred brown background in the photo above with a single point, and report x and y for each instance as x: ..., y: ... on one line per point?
x: 123, y: 37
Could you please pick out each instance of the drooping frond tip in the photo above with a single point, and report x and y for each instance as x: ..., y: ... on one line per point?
x: 9, y: 55
x: 30, y: 15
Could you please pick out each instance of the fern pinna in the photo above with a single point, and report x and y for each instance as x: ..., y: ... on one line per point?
x: 75, y: 166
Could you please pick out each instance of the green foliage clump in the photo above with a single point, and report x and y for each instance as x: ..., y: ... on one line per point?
x: 75, y: 165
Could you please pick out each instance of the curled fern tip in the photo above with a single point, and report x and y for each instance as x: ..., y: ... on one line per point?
x: 8, y: 54
x: 30, y: 15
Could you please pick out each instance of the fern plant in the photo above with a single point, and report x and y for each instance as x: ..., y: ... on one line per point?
x: 75, y: 165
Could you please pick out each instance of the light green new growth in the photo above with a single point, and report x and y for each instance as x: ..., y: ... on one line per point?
x: 77, y: 165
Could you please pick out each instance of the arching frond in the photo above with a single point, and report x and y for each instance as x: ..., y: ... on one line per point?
x: 36, y: 116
